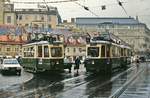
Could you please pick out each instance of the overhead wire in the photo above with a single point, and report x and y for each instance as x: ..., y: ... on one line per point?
x: 120, y: 4
x: 110, y: 4
x: 86, y: 8
x: 103, y: 7
x: 46, y: 5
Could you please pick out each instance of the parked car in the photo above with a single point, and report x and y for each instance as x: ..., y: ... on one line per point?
x: 10, y: 65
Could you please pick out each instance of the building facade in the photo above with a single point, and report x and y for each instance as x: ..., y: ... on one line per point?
x: 11, y: 45
x: 128, y: 29
x: 1, y: 11
x: 37, y: 18
x: 75, y: 46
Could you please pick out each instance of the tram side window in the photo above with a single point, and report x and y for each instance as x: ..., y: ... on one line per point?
x: 46, y: 51
x: 93, y: 51
x: 39, y: 51
x: 29, y: 52
x: 107, y: 51
x: 56, y: 52
x: 103, y: 51
x: 122, y: 54
x: 125, y: 52
x: 113, y: 51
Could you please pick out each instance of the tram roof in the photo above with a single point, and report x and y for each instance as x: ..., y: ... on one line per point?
x: 108, y: 42
x: 100, y: 42
x: 124, y: 46
x: 109, y: 38
x: 37, y: 43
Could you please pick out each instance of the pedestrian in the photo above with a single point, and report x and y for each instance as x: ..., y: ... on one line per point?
x: 68, y: 63
x: 137, y: 62
x: 77, y: 63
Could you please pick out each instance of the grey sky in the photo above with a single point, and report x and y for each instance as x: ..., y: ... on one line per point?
x: 71, y: 9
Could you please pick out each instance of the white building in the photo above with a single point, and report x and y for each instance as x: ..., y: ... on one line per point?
x: 128, y: 29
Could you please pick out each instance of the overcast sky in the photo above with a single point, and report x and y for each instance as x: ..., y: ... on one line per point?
x: 71, y: 9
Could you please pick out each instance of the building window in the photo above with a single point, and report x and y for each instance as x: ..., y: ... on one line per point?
x: 68, y: 50
x: 27, y: 17
x: 42, y: 17
x: 8, y: 19
x: 49, y: 26
x: 42, y: 26
x: 8, y: 49
x: 26, y: 25
x: 80, y: 50
x: 74, y: 49
x: 20, y: 17
x: 16, y: 49
x: 49, y: 18
x: 35, y: 17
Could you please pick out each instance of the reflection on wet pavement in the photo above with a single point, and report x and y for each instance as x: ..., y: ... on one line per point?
x: 140, y: 88
x: 82, y: 85
x: 10, y: 79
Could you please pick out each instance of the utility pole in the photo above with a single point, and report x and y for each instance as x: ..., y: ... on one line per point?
x: 48, y: 9
x: 2, y: 8
x: 2, y: 2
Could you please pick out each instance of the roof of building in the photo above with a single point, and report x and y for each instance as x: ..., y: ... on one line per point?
x: 108, y: 20
x: 6, y: 29
x: 75, y: 40
x: 6, y: 40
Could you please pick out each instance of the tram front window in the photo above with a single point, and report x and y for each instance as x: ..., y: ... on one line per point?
x: 56, y: 52
x: 93, y: 51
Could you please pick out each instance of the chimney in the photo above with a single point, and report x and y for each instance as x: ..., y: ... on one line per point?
x: 72, y: 20
x: 137, y: 18
x: 64, y: 21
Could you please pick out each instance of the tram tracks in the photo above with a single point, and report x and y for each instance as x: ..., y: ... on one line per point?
x: 94, y: 88
x: 53, y: 84
x: 121, y: 89
x: 85, y: 83
x: 67, y: 84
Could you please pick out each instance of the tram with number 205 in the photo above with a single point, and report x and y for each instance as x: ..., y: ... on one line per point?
x: 44, y: 55
x: 106, y: 53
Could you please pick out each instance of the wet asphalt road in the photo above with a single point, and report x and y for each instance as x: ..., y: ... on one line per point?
x: 8, y: 79
x: 140, y: 88
x: 66, y: 85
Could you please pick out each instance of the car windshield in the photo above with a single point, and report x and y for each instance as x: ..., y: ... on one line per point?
x: 10, y: 61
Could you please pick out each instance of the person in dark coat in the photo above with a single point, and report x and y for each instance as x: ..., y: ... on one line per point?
x: 137, y: 62
x: 77, y: 63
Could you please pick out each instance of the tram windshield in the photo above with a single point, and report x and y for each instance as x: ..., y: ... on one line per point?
x: 93, y: 51
x: 56, y: 52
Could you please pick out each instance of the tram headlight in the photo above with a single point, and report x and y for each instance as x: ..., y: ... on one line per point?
x: 93, y: 62
x: 57, y: 62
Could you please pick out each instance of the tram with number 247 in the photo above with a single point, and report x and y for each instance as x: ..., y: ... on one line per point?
x: 106, y: 53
